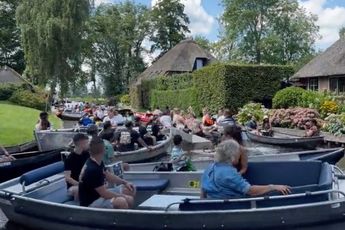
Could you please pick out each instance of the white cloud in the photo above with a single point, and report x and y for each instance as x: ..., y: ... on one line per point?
x: 99, y: 2
x: 201, y: 22
x: 330, y: 20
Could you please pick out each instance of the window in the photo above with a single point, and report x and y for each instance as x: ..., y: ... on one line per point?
x: 337, y: 84
x: 313, y: 84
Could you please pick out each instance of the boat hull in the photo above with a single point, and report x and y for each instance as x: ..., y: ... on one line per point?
x: 28, y: 146
x: 293, y: 142
x: 70, y: 116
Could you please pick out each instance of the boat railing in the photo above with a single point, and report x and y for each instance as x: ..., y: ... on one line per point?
x: 256, y: 199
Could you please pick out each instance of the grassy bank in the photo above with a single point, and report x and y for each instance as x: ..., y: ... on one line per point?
x: 17, y: 123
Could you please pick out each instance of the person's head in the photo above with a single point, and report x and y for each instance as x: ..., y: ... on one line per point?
x: 116, y: 112
x: 266, y: 118
x: 129, y: 125
x: 44, y: 116
x: 177, y: 111
x: 228, y: 152
x: 308, y: 124
x: 97, y: 147
x: 107, y: 125
x: 81, y: 141
x: 253, y: 118
x: 233, y: 132
x: 220, y: 112
x: 205, y: 111
x: 92, y: 130
x: 111, y: 113
x: 177, y: 140
x: 227, y: 113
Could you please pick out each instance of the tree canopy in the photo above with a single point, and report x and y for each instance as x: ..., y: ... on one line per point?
x: 270, y: 31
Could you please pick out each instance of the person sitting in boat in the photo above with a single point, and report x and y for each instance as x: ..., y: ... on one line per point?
x: 126, y: 139
x: 252, y: 124
x: 220, y: 116
x: 99, y: 113
x: 235, y: 133
x: 114, y: 118
x: 85, y: 120
x: 166, y: 120
x: 92, y: 189
x: 108, y: 132
x: 92, y: 130
x: 178, y: 119
x: 177, y: 155
x: 5, y: 156
x: 311, y: 129
x: 43, y: 123
x: 221, y: 180
x: 228, y: 119
x: 75, y: 162
x: 146, y: 136
x: 266, y: 129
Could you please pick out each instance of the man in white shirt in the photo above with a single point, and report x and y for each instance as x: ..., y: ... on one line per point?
x: 165, y: 120
x: 115, y: 118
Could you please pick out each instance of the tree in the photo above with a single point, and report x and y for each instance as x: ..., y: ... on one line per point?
x: 51, y: 37
x: 170, y: 24
x: 342, y: 32
x: 270, y: 31
x: 11, y: 53
x: 204, y: 43
x: 116, y: 34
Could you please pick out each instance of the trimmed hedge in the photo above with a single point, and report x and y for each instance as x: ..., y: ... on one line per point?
x: 288, y: 97
x: 7, y: 90
x: 175, y: 99
x: 215, y: 86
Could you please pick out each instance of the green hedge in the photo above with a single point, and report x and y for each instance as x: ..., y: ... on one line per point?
x: 288, y: 97
x: 175, y: 99
x: 215, y: 86
x: 7, y: 90
x: 29, y: 99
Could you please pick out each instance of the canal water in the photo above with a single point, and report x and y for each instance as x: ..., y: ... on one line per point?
x: 254, y: 149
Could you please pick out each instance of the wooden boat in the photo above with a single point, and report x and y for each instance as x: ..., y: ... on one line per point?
x: 201, y: 160
x: 49, y: 140
x: 286, y: 140
x: 25, y: 147
x: 170, y: 200
x: 26, y: 161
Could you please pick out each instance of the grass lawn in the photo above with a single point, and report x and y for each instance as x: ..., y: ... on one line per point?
x: 17, y: 123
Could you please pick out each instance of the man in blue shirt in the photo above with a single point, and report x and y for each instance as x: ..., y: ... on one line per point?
x: 221, y: 180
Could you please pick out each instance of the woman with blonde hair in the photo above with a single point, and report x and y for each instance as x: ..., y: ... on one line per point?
x: 221, y: 180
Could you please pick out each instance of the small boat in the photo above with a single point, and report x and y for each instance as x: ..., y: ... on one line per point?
x: 143, y: 154
x: 26, y: 161
x: 286, y: 140
x: 331, y: 156
x: 170, y: 200
x: 191, y: 141
x: 70, y: 116
x: 49, y: 140
x: 25, y: 147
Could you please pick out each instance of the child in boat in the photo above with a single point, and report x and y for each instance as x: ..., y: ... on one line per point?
x: 43, y: 123
x: 92, y: 189
x: 177, y: 155
x: 75, y: 162
x: 311, y: 129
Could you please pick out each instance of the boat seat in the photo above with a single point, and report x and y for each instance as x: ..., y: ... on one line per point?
x: 150, y: 184
x: 41, y: 173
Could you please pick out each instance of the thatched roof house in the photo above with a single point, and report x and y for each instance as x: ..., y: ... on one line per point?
x: 326, y: 71
x: 185, y: 57
x: 10, y: 76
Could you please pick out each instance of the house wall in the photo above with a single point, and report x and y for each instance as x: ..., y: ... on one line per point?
x: 323, y: 84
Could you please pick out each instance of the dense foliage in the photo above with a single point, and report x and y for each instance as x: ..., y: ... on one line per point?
x: 294, y: 117
x: 249, y: 110
x: 270, y: 31
x: 27, y: 98
x: 215, y: 86
x: 288, y: 97
x: 11, y: 52
x: 335, y: 124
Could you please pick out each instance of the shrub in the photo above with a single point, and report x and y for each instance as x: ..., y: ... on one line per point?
x: 125, y: 99
x: 29, y: 99
x: 329, y: 107
x: 6, y: 90
x: 335, y: 124
x: 288, y: 97
x: 294, y: 117
x: 252, y: 109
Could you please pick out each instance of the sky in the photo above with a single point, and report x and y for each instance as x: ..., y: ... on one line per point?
x: 204, y: 16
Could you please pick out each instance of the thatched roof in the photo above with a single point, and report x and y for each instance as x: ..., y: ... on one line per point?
x: 329, y: 63
x: 9, y: 75
x: 179, y: 59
